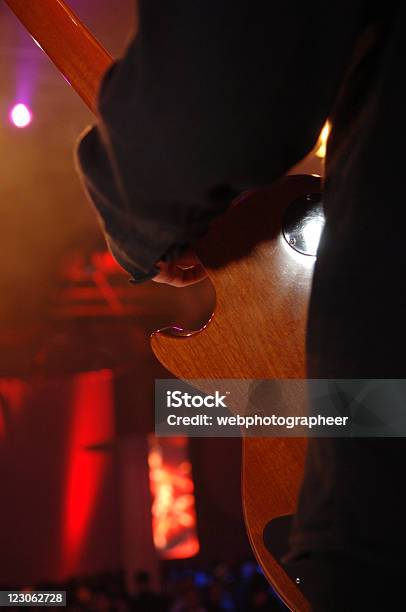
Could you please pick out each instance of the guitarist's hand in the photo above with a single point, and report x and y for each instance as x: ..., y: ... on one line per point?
x: 186, y: 270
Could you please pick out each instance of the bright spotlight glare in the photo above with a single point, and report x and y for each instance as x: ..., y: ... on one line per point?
x: 20, y: 115
x: 312, y: 230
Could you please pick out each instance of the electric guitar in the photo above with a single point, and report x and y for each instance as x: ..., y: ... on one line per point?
x: 260, y: 262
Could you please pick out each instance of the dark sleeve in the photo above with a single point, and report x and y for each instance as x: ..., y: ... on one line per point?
x: 211, y: 98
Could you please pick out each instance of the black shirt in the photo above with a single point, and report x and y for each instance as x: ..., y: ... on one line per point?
x: 210, y: 98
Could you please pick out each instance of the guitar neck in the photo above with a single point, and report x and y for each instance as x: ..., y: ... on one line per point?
x: 73, y: 49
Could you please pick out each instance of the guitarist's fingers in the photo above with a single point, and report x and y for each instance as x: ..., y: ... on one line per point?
x: 187, y: 270
x: 190, y: 276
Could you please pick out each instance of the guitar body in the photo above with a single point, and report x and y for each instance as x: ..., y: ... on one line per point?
x: 256, y: 332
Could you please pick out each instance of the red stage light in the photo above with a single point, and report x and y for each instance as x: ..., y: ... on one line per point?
x: 92, y: 423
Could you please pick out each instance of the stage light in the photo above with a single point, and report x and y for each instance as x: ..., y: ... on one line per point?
x: 321, y: 147
x: 20, y: 115
x: 173, y: 506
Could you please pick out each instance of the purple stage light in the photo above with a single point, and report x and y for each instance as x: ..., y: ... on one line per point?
x: 20, y: 115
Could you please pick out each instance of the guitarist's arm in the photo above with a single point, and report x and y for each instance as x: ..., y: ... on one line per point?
x: 211, y: 98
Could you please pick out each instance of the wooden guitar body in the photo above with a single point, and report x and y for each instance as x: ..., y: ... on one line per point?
x: 256, y: 332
